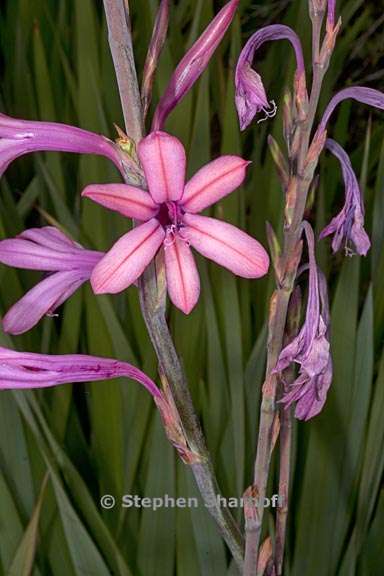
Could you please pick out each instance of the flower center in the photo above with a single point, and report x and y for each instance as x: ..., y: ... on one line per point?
x: 170, y: 216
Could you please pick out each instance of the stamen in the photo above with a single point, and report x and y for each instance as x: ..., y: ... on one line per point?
x: 269, y: 112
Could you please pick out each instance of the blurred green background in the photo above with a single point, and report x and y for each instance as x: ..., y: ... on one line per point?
x: 93, y: 439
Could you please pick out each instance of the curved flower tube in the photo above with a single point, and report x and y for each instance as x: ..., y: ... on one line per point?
x: 310, y: 349
x: 28, y: 370
x: 46, y: 249
x: 250, y: 94
x: 170, y: 220
x: 193, y: 64
x: 362, y: 94
x: 19, y: 137
x: 348, y: 226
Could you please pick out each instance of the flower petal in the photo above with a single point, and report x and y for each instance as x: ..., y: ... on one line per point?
x: 128, y: 258
x: 226, y: 245
x: 213, y: 182
x: 128, y: 200
x: 183, y: 280
x: 44, y: 298
x: 27, y: 254
x: 163, y: 159
x: 50, y: 237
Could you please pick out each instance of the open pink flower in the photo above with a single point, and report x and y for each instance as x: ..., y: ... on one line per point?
x: 67, y: 263
x: 169, y: 219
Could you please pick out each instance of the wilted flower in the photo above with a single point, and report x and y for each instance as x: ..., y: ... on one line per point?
x: 29, y: 370
x: 169, y: 213
x: 310, y: 348
x: 19, y: 137
x: 193, y: 64
x: 250, y: 93
x: 46, y: 249
x: 348, y: 226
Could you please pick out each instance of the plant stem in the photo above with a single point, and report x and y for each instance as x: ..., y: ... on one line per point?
x: 279, y: 309
x: 152, y: 299
x: 120, y: 42
x: 284, y: 476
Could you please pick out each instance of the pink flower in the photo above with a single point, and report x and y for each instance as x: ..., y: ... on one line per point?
x: 169, y: 218
x: 47, y: 249
x: 28, y: 370
x: 193, y: 63
x: 19, y: 137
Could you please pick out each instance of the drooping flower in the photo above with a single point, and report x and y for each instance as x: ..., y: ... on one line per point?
x: 28, y: 370
x: 250, y: 94
x: 310, y: 348
x: 46, y: 249
x: 362, y: 94
x: 193, y: 64
x: 348, y: 226
x: 169, y: 219
x: 19, y: 137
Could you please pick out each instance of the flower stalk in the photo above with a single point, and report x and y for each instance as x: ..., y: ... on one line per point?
x: 153, y: 294
x: 297, y: 129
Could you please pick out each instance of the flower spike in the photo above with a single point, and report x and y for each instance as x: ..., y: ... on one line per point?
x: 250, y: 92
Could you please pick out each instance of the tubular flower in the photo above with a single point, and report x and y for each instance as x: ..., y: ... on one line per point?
x: 310, y: 349
x: 49, y: 250
x: 348, y: 226
x: 362, y: 94
x: 19, y: 137
x: 169, y: 219
x: 193, y: 64
x: 27, y: 370
x: 250, y: 94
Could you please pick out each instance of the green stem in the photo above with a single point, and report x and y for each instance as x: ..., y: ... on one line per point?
x: 153, y: 303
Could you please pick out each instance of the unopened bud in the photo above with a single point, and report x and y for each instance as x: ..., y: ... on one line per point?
x: 265, y: 555
x: 275, y: 251
x: 280, y: 161
x: 290, y: 203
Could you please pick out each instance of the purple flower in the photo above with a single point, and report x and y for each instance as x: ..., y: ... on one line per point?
x: 49, y: 250
x: 193, y: 64
x: 250, y: 93
x: 348, y: 225
x: 19, y: 137
x: 27, y: 370
x: 362, y: 94
x: 310, y: 349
